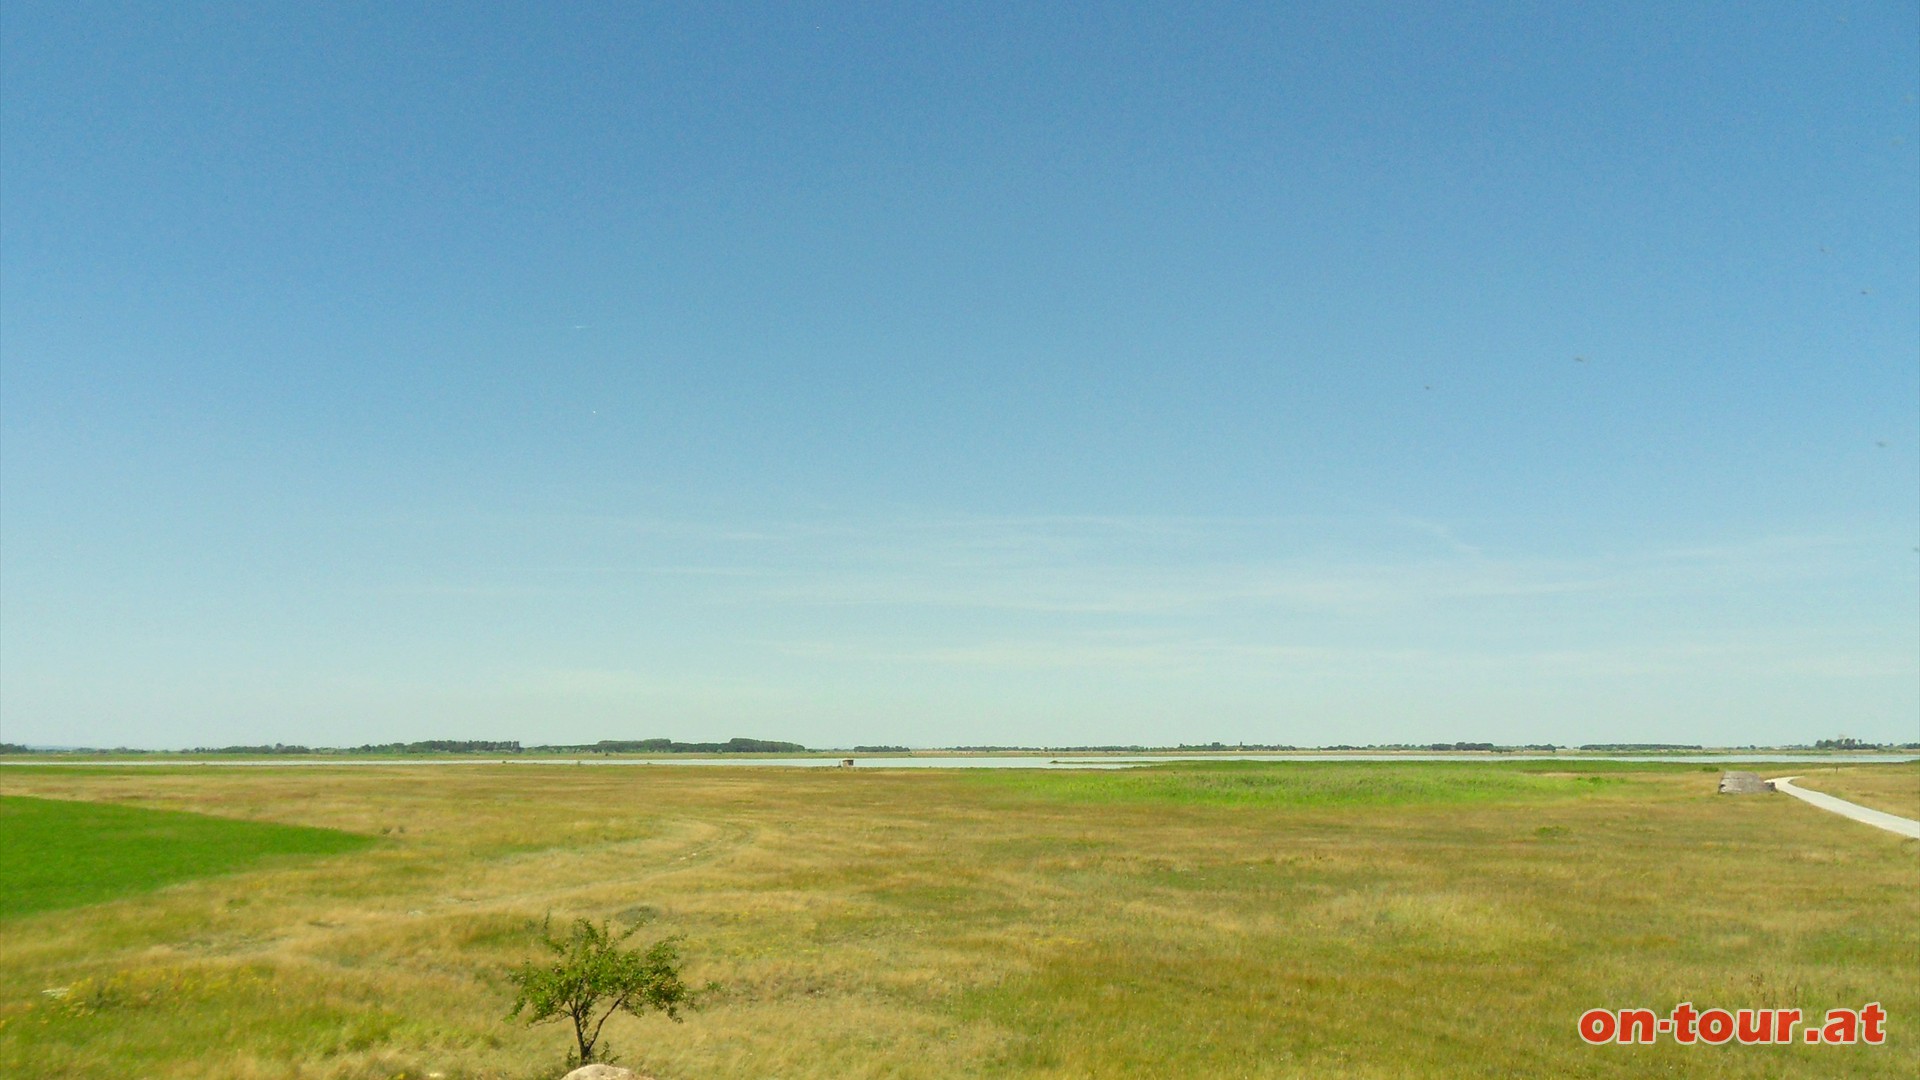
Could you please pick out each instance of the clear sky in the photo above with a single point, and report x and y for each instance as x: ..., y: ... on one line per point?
x: 924, y: 374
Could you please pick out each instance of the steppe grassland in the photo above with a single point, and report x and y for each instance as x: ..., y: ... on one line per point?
x: 1283, y: 920
x: 1893, y: 788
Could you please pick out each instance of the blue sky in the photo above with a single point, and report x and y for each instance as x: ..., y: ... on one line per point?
x: 971, y: 374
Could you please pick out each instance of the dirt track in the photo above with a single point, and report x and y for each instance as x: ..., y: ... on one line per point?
x: 1879, y: 819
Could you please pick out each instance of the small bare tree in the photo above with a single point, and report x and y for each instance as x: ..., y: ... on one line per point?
x: 592, y: 977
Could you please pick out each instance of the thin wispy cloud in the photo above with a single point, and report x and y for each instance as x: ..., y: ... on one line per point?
x: 1035, y: 412
x: 1143, y: 566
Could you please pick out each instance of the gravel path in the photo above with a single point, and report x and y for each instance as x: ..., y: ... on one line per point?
x: 1879, y: 819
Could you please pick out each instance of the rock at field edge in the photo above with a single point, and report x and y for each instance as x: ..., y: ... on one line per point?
x: 598, y: 1071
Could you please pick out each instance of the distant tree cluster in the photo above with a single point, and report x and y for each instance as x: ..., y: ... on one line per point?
x: 882, y: 750
x: 513, y: 746
x: 1629, y: 746
x: 441, y: 746
x: 1844, y: 742
x: 469, y: 746
x: 428, y: 746
x: 1264, y: 748
x: 669, y: 746
x: 1051, y: 749
x: 1095, y: 749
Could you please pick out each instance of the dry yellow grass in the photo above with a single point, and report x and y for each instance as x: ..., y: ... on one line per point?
x: 1894, y: 789
x: 926, y: 924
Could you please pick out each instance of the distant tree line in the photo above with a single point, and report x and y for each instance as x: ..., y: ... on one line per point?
x: 442, y: 746
x: 1619, y: 746
x: 428, y: 746
x: 513, y: 746
x: 1050, y: 749
x: 1221, y: 747
x: 604, y: 746
x: 775, y: 746
x: 465, y: 746
x: 669, y: 746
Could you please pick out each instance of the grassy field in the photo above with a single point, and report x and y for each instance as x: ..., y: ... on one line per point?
x: 1230, y: 920
x: 1893, y: 789
x: 61, y: 854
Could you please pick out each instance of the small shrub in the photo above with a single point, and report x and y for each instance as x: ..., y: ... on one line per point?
x: 592, y: 977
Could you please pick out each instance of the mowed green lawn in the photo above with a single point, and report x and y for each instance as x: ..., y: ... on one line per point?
x: 58, y: 853
x: 1371, y: 920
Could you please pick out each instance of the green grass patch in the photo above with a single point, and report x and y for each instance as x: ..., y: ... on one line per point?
x: 61, y: 854
x: 1302, y: 784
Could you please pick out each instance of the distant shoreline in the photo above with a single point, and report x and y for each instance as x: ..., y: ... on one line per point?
x: 933, y: 759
